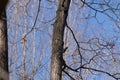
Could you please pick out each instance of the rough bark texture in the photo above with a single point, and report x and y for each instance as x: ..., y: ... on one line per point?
x: 3, y: 42
x: 57, y: 41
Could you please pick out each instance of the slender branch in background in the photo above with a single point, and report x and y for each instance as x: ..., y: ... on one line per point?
x: 24, y: 72
x: 24, y: 61
x: 36, y: 18
x: 34, y: 53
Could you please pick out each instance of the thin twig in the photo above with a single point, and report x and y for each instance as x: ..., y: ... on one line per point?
x: 76, y: 43
x: 68, y: 75
x: 35, y: 20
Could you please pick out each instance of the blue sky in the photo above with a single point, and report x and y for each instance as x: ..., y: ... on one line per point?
x: 101, y: 27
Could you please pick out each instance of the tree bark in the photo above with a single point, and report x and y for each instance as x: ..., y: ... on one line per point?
x: 4, y: 74
x: 57, y: 41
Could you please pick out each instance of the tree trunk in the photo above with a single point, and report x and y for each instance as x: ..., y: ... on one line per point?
x: 57, y: 41
x: 3, y: 42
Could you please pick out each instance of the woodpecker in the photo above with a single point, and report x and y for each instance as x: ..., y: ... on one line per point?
x: 64, y: 49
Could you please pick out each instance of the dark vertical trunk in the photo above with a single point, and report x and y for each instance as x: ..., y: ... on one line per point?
x: 57, y: 41
x: 3, y: 42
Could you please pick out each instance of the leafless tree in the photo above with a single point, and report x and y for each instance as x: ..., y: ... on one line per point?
x: 26, y: 54
x: 99, y: 48
x: 4, y: 73
x: 82, y: 47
